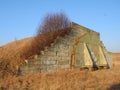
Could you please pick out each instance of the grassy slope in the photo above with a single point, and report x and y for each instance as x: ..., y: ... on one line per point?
x: 10, y: 55
x: 14, y: 48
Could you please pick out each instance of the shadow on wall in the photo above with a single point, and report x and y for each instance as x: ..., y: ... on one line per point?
x: 115, y: 87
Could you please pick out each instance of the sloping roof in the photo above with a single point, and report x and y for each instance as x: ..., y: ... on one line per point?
x: 83, y: 27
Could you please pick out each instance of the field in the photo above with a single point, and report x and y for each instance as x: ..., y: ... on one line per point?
x: 107, y: 79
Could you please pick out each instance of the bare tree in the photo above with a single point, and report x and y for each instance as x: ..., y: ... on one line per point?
x: 52, y: 22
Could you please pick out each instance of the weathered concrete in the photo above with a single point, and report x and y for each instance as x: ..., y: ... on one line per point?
x: 102, y: 60
x: 87, y: 58
x: 81, y: 47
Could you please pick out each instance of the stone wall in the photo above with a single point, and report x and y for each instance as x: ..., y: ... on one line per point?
x: 78, y: 49
x: 55, y: 57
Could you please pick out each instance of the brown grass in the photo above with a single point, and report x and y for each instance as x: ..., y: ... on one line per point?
x: 66, y: 80
x: 10, y: 54
x: 116, y: 58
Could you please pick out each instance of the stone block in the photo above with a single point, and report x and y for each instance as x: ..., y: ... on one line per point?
x: 49, y: 62
x: 62, y: 48
x: 29, y: 69
x: 52, y: 67
x: 67, y: 66
x: 30, y: 63
x: 56, y: 48
x: 62, y: 54
x: 63, y: 62
x: 52, y: 57
x: 43, y: 68
x: 66, y: 58
x: 42, y: 52
x: 44, y: 58
x: 51, y: 53
x: 58, y: 58
x: 37, y: 62
x: 63, y: 42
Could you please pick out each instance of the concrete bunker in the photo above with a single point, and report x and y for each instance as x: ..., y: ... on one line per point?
x: 81, y: 48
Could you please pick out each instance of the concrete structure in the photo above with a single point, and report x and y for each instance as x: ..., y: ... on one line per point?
x: 81, y: 48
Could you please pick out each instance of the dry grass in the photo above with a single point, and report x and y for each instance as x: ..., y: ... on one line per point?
x: 66, y: 80
x: 116, y: 58
x: 10, y: 55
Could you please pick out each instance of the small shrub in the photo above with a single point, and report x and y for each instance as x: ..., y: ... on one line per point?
x: 53, y: 22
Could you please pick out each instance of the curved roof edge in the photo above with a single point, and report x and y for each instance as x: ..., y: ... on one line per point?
x: 76, y: 24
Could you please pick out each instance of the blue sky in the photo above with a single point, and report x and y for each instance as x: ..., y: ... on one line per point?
x: 21, y: 18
